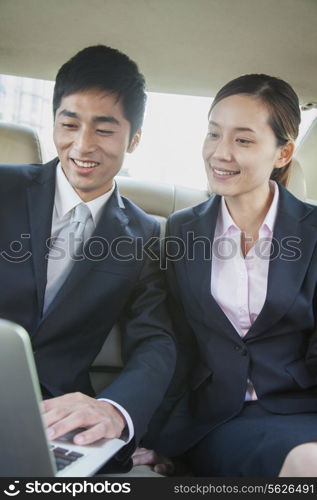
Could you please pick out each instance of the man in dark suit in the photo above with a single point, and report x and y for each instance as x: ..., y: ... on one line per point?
x: 68, y: 279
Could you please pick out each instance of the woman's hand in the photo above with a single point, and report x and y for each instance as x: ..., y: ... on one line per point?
x: 161, y: 465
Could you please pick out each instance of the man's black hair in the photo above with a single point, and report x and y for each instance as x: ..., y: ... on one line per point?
x: 107, y: 69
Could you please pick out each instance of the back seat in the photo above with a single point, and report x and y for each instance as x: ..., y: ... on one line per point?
x: 21, y: 145
x: 306, y: 155
x: 159, y: 200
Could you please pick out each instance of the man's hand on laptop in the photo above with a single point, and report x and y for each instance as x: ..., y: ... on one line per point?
x: 66, y: 413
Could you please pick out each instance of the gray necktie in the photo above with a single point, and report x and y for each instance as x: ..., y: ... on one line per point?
x: 66, y: 249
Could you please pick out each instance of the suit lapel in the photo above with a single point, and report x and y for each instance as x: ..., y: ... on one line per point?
x: 287, y: 270
x: 112, y: 224
x: 198, y: 235
x: 40, y: 205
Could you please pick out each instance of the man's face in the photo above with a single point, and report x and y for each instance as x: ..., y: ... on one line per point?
x: 91, y: 136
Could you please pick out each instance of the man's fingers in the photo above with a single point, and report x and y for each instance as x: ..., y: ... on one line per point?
x: 98, y: 431
x: 66, y: 399
x: 60, y: 412
x: 73, y: 420
x: 72, y: 411
x: 55, y: 415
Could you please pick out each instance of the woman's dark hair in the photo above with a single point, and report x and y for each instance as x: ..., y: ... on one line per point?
x: 281, y: 102
x: 107, y: 69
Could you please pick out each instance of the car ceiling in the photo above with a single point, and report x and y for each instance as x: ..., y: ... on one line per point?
x: 182, y: 46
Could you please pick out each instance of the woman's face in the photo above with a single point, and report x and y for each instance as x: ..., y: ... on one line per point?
x: 240, y: 150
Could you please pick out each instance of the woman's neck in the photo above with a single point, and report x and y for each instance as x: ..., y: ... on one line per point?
x: 248, y: 211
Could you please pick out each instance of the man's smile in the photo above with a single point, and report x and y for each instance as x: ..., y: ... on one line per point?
x: 85, y: 164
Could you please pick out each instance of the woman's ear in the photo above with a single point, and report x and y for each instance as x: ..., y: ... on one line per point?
x: 134, y: 141
x: 285, y: 154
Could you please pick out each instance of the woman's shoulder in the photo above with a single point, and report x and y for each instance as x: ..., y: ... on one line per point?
x: 299, y: 209
x: 311, y: 213
x: 188, y: 214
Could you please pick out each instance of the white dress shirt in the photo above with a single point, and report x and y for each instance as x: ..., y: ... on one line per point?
x: 65, y: 200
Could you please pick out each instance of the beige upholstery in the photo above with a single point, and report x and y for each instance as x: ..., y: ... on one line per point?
x: 19, y: 144
x: 297, y: 182
x: 136, y: 471
x: 159, y: 200
x: 306, y: 154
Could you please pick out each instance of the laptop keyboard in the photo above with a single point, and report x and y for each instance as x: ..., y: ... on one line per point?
x: 64, y: 457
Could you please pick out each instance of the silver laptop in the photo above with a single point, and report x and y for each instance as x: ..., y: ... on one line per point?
x: 24, y: 448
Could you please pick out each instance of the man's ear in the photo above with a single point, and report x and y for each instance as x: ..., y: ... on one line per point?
x: 285, y: 155
x: 134, y: 141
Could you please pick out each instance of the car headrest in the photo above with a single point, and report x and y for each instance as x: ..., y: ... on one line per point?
x: 19, y: 144
x: 297, y: 183
x: 159, y: 199
x: 306, y: 155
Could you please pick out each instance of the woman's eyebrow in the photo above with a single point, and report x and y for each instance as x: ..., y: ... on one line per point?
x: 238, y: 129
x: 245, y: 129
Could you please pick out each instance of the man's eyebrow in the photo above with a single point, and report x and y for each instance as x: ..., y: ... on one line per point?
x: 106, y: 119
x: 96, y: 119
x: 238, y: 129
x: 69, y: 114
x: 211, y: 122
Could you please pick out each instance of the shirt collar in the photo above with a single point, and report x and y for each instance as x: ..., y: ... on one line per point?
x: 225, y: 221
x: 66, y: 198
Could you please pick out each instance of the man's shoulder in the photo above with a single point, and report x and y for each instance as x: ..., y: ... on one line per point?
x: 139, y: 217
x: 19, y: 175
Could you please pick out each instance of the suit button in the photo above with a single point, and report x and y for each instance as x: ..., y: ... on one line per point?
x: 242, y: 350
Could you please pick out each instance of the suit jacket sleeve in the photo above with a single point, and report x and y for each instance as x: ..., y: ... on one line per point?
x: 187, y: 350
x: 311, y: 355
x: 148, y: 347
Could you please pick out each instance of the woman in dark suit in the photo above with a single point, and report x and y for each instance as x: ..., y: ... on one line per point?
x: 242, y: 274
